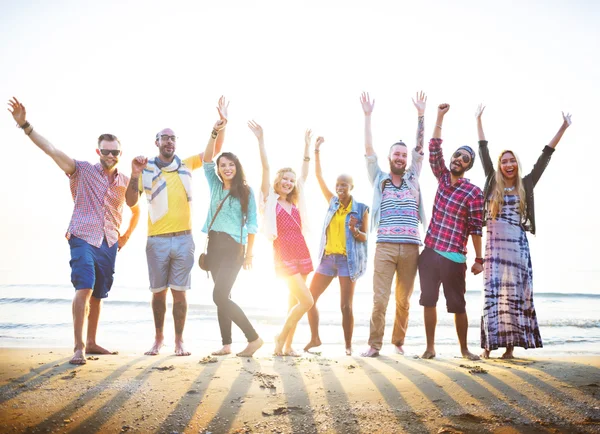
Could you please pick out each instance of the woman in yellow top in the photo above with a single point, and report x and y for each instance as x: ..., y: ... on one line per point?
x: 342, y: 253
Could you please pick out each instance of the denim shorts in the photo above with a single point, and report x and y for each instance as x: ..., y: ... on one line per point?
x: 92, y: 267
x: 334, y: 265
x: 170, y: 262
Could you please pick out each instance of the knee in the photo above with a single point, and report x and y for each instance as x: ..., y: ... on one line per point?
x: 219, y: 298
x: 307, y: 303
x: 346, y: 309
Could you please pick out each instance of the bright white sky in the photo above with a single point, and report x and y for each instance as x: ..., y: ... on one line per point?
x: 132, y: 68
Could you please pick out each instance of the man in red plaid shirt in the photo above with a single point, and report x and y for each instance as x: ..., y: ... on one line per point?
x: 457, y: 212
x: 98, y: 192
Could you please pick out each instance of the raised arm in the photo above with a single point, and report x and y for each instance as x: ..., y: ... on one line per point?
x: 484, y: 152
x: 367, y: 106
x: 442, y: 110
x: 209, y: 152
x: 566, y: 124
x: 306, y: 159
x: 326, y: 192
x: 266, y: 176
x: 19, y: 114
x: 135, y: 218
x: 133, y: 189
x: 222, y: 107
x: 420, y: 105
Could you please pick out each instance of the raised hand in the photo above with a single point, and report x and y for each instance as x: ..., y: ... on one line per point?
x: 352, y: 223
x: 567, y: 118
x: 256, y: 129
x: 318, y: 143
x: 443, y: 109
x: 367, y: 104
x: 220, y: 124
x: 222, y: 107
x: 307, y: 137
x: 479, y: 111
x: 18, y: 111
x: 420, y: 103
x: 138, y: 164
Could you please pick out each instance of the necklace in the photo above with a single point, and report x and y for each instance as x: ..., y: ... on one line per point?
x: 509, y: 188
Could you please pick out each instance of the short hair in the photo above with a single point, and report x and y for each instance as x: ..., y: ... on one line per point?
x: 108, y: 138
x: 398, y: 143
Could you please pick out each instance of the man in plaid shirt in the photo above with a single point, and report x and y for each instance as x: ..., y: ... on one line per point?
x: 457, y: 212
x: 98, y: 192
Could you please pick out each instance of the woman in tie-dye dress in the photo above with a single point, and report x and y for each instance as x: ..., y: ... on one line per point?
x: 509, y: 319
x: 284, y: 221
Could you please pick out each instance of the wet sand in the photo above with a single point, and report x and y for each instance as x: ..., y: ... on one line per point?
x: 41, y: 392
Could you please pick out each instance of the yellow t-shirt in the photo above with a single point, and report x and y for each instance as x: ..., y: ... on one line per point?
x: 179, y: 216
x: 336, y: 231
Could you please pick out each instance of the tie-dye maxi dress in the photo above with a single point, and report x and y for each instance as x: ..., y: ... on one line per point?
x: 508, y: 316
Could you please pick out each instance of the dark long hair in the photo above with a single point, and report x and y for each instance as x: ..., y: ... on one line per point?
x: 239, y: 188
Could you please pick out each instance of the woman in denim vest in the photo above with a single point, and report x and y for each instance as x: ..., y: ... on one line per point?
x: 342, y: 253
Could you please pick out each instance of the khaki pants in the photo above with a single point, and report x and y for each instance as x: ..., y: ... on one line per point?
x: 390, y: 259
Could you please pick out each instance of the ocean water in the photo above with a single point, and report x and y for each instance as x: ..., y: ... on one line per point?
x: 40, y: 316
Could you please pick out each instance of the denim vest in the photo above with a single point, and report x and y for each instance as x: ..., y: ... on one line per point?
x: 356, y: 251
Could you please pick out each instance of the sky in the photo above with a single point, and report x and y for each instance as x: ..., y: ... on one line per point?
x: 132, y: 68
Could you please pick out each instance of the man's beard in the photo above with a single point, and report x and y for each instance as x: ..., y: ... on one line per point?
x: 108, y: 165
x: 457, y: 172
x: 395, y: 170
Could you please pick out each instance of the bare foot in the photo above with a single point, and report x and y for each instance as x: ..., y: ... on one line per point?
x: 371, y: 352
x: 485, y: 354
x: 428, y: 354
x: 78, y: 358
x: 97, y: 349
x: 349, y: 351
x: 508, y: 354
x: 399, y: 349
x: 158, y: 344
x: 251, y: 348
x: 316, y: 342
x: 469, y: 355
x: 291, y: 353
x: 278, y: 351
x: 223, y: 351
x: 180, y: 350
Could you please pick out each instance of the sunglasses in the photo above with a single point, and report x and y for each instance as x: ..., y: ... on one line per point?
x: 114, y: 152
x: 464, y: 157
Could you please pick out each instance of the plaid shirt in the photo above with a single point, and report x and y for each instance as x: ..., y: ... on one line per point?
x: 98, y: 205
x: 457, y: 209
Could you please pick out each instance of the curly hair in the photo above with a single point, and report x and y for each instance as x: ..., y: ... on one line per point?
x: 239, y: 187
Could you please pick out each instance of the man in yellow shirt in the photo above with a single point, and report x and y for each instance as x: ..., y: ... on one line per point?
x: 167, y: 182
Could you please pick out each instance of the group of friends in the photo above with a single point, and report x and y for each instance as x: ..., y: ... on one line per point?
x: 460, y: 210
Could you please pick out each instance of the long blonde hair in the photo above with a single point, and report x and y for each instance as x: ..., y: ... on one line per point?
x: 292, y: 197
x: 497, y: 197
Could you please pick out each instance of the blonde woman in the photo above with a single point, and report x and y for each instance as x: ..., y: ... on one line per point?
x: 282, y: 205
x: 509, y: 319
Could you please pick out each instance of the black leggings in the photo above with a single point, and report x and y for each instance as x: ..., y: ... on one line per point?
x: 225, y: 260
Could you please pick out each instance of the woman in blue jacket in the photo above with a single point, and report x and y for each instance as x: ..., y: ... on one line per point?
x: 342, y: 252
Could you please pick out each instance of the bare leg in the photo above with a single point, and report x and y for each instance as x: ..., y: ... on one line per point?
x: 287, y: 347
x: 430, y: 316
x: 179, y: 315
x: 299, y: 290
x: 462, y: 326
x: 81, y: 307
x: 319, y: 284
x: 159, y: 308
x: 508, y: 354
x: 346, y: 299
x: 91, y: 346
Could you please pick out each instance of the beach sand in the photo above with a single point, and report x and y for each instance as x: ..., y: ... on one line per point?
x: 41, y: 392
